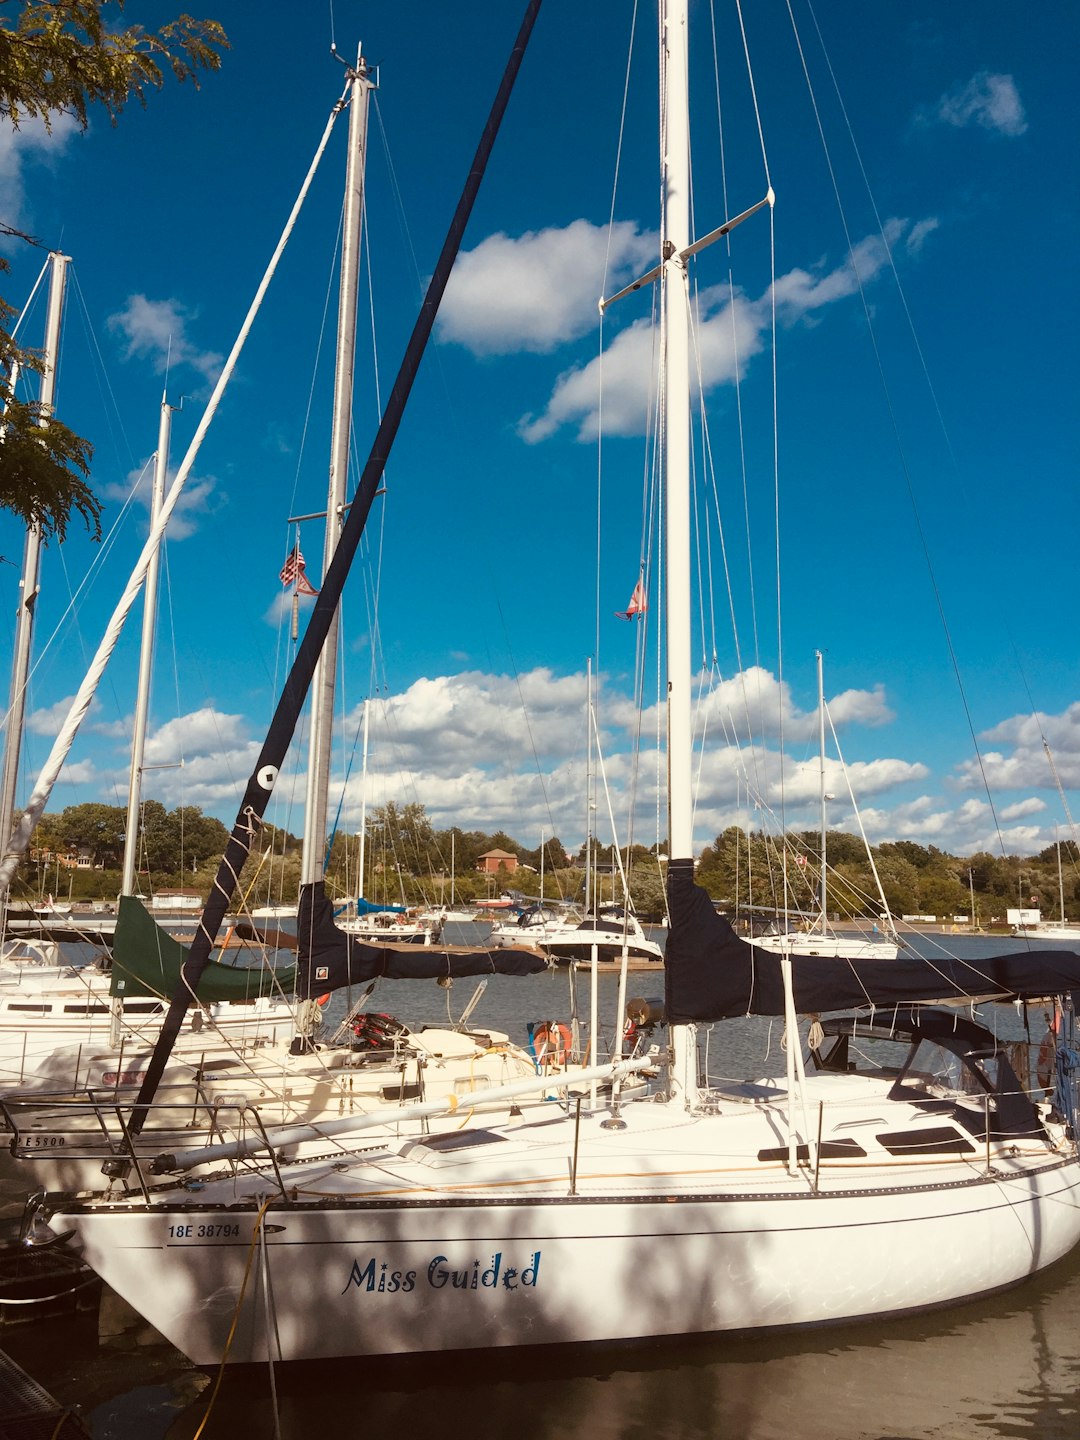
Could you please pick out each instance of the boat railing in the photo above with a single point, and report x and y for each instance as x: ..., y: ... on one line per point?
x: 189, y: 1135
x: 98, y: 1128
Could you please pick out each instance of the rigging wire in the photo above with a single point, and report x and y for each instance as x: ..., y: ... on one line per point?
x: 887, y: 394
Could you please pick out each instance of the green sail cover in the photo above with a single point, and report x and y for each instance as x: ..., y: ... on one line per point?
x: 146, y: 964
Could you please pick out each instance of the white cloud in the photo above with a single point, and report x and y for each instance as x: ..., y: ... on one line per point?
x: 800, y: 293
x: 201, y: 731
x: 730, y: 330
x: 489, y: 751
x: 452, y: 719
x: 49, y: 719
x: 80, y: 772
x: 31, y: 144
x: 965, y: 829
x: 989, y: 101
x: 755, y: 706
x: 919, y: 233
x: 156, y: 330
x: 541, y: 289
x: 1031, y: 806
x: 197, y: 498
x: 1021, y: 762
x: 202, y: 758
x: 279, y: 610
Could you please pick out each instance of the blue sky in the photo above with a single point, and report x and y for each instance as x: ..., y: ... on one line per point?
x: 491, y: 576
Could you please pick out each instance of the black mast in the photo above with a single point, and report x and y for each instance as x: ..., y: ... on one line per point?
x: 262, y: 780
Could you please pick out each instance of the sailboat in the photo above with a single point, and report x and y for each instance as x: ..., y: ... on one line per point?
x: 910, y: 1170
x: 55, y: 1014
x: 607, y: 931
x: 1061, y: 929
x: 248, y: 1049
x: 818, y: 937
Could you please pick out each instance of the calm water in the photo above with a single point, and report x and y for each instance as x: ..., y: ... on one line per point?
x: 1006, y: 1367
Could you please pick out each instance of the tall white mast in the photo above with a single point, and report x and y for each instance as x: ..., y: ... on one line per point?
x: 146, y: 658
x: 28, y: 584
x: 674, y: 241
x: 323, y: 684
x: 675, y: 380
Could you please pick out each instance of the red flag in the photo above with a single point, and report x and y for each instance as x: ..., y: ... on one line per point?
x: 292, y: 573
x: 638, y: 603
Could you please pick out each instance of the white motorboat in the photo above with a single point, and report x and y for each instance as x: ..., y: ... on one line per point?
x: 608, y: 933
x: 818, y: 940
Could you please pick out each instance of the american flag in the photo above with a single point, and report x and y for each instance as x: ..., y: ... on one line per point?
x: 292, y: 573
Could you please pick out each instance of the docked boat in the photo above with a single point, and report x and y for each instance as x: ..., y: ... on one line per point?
x: 395, y: 926
x: 607, y: 935
x: 824, y: 939
x: 53, y: 1014
x: 816, y: 935
x: 73, y: 1138
x: 859, y: 1184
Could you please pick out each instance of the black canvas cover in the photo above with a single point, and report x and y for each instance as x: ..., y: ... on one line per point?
x: 329, y: 958
x: 710, y: 974
x: 146, y: 963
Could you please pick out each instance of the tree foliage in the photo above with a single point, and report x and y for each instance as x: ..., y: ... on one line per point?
x: 64, y: 57
x: 172, y: 843
x: 43, y: 465
x: 409, y: 860
x: 747, y: 870
x: 61, y: 57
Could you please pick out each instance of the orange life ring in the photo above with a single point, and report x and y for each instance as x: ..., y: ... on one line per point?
x: 552, y: 1043
x: 322, y: 999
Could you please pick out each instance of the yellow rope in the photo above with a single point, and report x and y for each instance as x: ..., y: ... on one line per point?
x: 236, y: 1317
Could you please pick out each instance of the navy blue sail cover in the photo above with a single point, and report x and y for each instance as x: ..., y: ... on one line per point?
x: 710, y: 974
x: 329, y: 958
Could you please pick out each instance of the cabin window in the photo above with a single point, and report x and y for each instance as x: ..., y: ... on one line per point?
x: 31, y: 1009
x: 863, y: 1051
x: 930, y: 1140
x: 460, y: 1140
x: 829, y: 1150
x: 940, y: 1072
x: 86, y: 1009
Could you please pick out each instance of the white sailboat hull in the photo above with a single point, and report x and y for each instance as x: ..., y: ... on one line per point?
x: 843, y: 947
x: 665, y: 1236
x: 45, y: 1009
